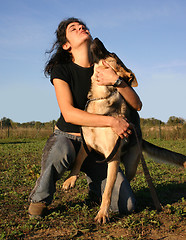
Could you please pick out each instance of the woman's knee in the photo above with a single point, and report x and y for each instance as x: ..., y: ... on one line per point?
x: 59, y: 152
x: 123, y: 200
x: 127, y: 203
x: 131, y: 204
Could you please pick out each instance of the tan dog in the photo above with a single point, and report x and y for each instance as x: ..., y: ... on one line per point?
x: 107, y: 100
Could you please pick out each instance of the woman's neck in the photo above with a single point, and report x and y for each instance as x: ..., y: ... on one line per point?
x: 82, y: 57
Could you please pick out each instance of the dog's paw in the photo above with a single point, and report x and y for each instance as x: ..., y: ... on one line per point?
x: 70, y: 182
x: 102, y: 217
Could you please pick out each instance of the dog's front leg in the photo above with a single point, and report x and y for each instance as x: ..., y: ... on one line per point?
x: 72, y: 178
x: 103, y: 214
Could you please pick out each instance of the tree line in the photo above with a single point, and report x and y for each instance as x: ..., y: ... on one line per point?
x: 8, y: 123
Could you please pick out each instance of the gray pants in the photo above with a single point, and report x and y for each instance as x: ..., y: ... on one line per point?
x: 59, y: 155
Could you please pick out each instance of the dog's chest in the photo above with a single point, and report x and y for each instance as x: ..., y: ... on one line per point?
x: 112, y: 105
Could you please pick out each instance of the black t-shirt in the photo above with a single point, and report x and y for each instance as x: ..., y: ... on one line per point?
x: 79, y: 80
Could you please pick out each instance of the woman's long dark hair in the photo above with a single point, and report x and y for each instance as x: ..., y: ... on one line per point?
x: 60, y: 55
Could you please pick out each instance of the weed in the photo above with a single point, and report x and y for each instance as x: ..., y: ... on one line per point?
x: 71, y: 215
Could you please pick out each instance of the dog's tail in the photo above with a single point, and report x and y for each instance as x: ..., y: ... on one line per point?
x: 163, y: 155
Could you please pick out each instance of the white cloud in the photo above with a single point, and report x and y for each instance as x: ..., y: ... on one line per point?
x: 171, y: 65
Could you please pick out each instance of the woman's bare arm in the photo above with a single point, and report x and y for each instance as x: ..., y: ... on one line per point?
x: 107, y: 76
x: 79, y: 117
x: 130, y: 96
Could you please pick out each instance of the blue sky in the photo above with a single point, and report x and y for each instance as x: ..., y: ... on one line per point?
x: 148, y: 35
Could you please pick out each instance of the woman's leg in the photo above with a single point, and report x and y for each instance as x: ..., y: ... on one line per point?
x: 58, y: 156
x: 123, y: 200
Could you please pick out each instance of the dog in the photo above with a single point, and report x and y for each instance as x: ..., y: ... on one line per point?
x: 106, y: 100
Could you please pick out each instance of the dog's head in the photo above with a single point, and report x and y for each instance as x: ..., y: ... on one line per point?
x: 99, y: 52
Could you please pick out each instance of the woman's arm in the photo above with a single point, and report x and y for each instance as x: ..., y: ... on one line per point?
x: 79, y: 117
x: 107, y: 76
x: 130, y: 96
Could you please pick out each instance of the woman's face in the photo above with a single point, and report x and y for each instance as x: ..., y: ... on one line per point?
x: 76, y: 35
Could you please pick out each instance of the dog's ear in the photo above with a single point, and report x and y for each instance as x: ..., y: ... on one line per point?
x: 98, y: 50
x: 132, y: 81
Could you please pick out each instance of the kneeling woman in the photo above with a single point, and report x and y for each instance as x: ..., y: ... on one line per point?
x: 70, y: 70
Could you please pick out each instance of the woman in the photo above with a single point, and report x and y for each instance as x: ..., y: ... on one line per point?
x: 70, y: 70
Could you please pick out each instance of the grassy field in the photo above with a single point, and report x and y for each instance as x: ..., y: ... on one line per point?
x: 71, y: 215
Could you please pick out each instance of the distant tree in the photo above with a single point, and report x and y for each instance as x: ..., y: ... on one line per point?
x: 28, y: 124
x: 38, y: 125
x: 31, y: 124
x: 6, y: 122
x: 150, y: 121
x: 175, y: 120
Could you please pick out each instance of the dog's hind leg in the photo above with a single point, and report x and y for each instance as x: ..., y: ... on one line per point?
x: 131, y: 160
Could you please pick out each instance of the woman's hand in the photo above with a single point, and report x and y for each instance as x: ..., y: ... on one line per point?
x: 105, y: 75
x: 121, y: 127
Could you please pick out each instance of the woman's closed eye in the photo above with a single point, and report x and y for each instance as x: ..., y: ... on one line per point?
x: 84, y: 28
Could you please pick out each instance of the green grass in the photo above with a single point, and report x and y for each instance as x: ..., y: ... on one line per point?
x: 71, y: 215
